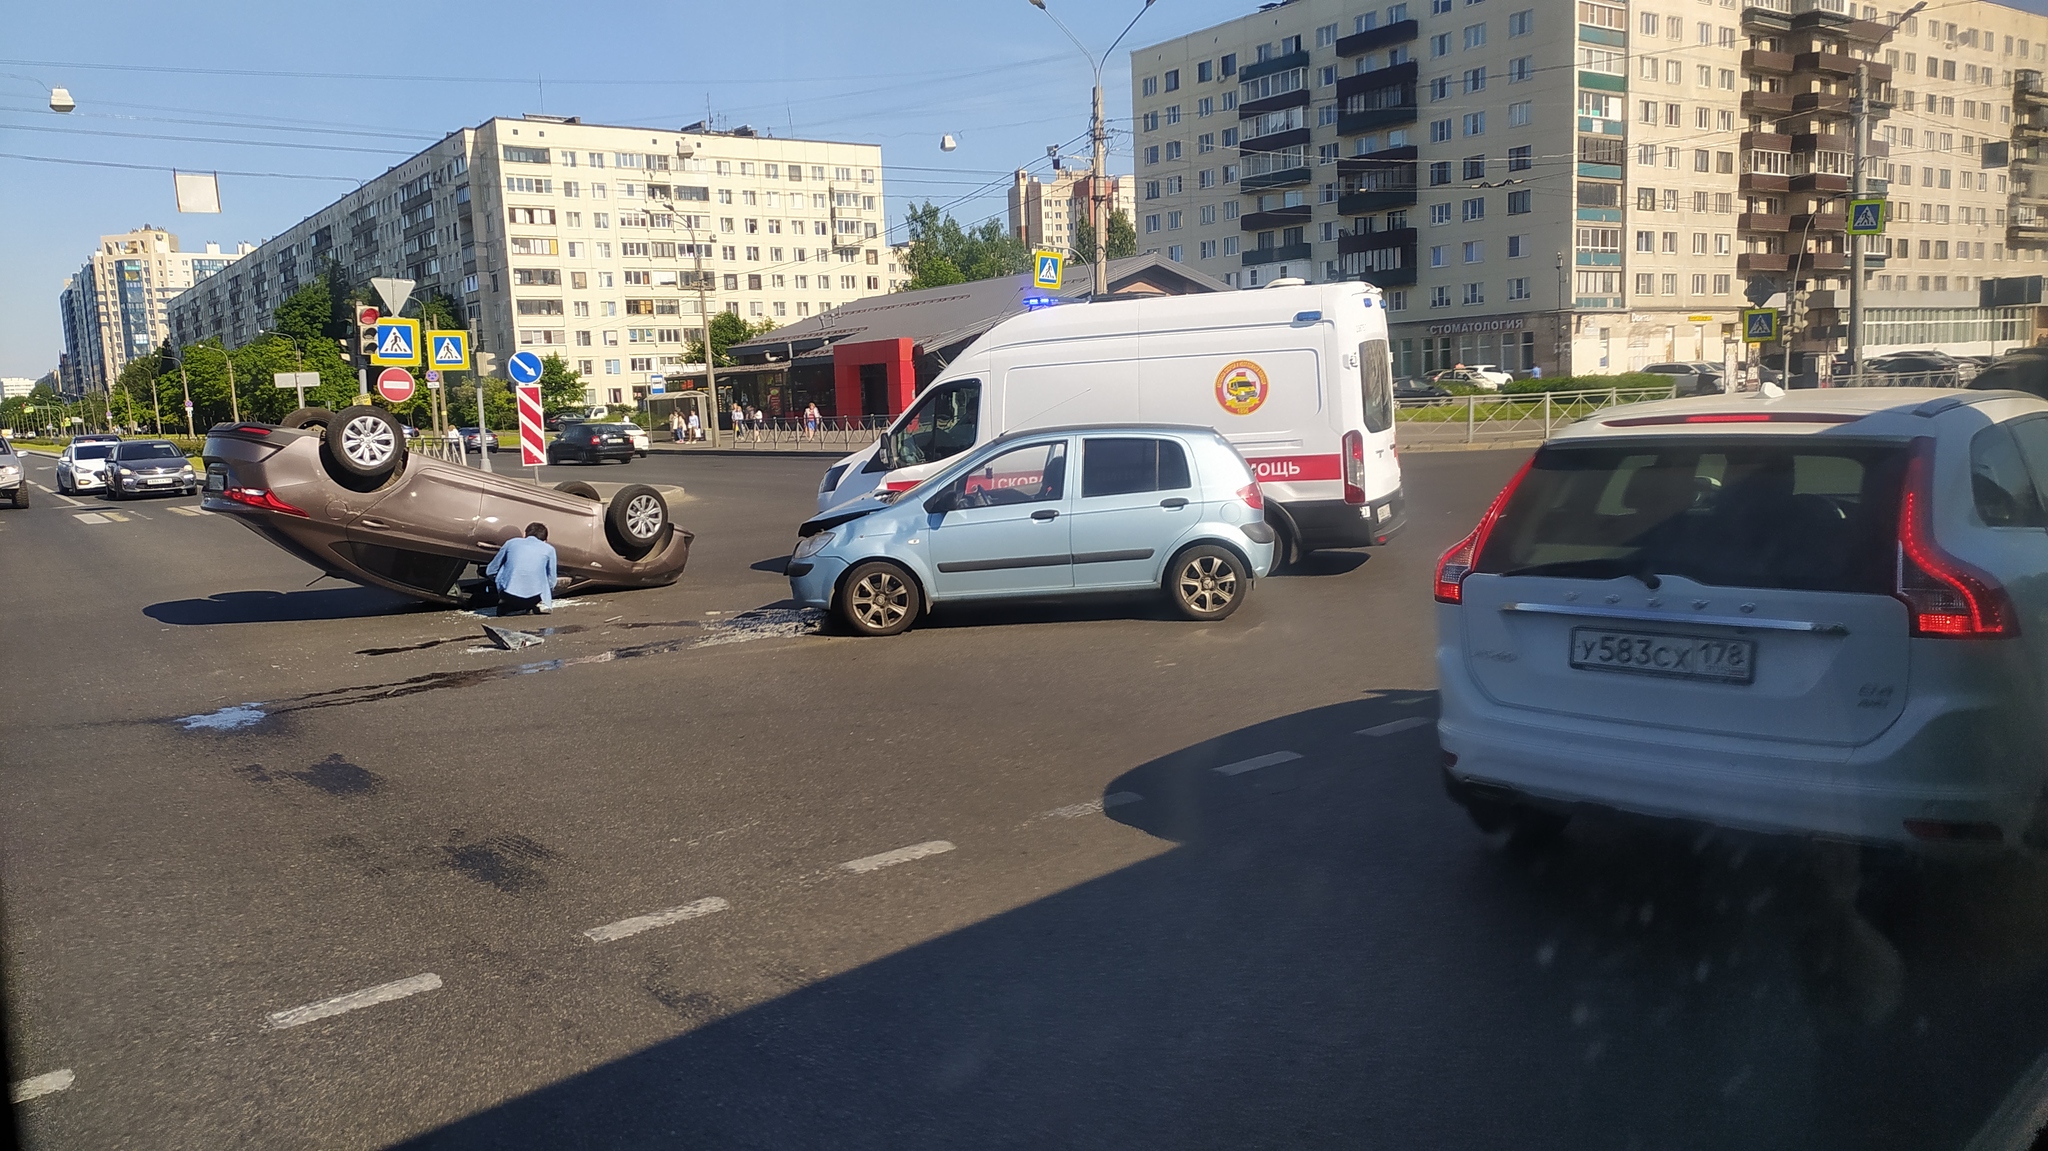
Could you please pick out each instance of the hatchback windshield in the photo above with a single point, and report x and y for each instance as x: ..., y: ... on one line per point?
x: 148, y: 450
x: 91, y: 451
x: 1807, y: 516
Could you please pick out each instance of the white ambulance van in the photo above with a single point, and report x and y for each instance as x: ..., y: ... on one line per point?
x: 1296, y: 376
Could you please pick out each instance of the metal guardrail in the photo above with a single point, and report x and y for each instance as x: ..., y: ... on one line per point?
x: 844, y: 434
x: 1457, y: 421
x: 1949, y: 379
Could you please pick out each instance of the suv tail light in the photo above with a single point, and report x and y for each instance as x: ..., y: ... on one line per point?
x: 261, y: 498
x: 1457, y: 563
x: 1948, y: 598
x: 1354, y: 467
x: 1251, y: 495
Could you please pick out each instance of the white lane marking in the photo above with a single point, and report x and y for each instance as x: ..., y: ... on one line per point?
x: 640, y: 923
x: 1092, y: 807
x: 185, y: 511
x: 91, y: 518
x: 117, y: 517
x: 354, y: 1000
x: 1397, y: 725
x: 48, y: 1083
x: 1257, y: 762
x: 900, y: 855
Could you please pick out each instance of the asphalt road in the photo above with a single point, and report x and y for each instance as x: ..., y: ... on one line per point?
x: 687, y: 875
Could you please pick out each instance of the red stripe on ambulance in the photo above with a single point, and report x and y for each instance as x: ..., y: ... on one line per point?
x: 1284, y: 469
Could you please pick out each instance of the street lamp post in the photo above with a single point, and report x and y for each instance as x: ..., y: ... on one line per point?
x: 1098, y: 193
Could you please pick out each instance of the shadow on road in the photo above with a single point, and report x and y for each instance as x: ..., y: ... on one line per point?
x: 774, y: 564
x: 283, y: 607
x: 1332, y: 956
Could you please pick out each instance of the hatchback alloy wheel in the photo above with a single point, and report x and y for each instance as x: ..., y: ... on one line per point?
x: 879, y: 600
x: 367, y: 442
x: 644, y: 517
x: 1207, y: 582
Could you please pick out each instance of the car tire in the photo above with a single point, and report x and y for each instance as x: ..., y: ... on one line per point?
x: 879, y: 598
x: 578, y: 488
x: 365, y: 442
x: 636, y: 521
x: 21, y: 495
x: 307, y: 418
x: 1206, y: 583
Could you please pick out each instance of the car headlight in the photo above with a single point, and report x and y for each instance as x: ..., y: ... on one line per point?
x: 812, y: 545
x: 123, y: 472
x: 188, y: 473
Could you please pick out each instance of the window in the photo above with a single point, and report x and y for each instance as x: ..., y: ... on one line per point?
x: 1521, y: 23
x: 1326, y: 35
x: 1474, y: 168
x: 1646, y: 284
x: 1518, y: 202
x: 1120, y: 466
x: 1521, y: 68
x: 1440, y: 45
x: 1173, y: 221
x: 1475, y: 36
x: 1475, y: 293
x: 1475, y: 123
x: 1475, y: 251
x: 1173, y: 151
x: 1518, y: 288
x: 1518, y: 247
x: 1668, y: 242
x: 1440, y: 297
x: 1521, y: 113
x: 1150, y: 86
x: 1440, y: 88
x: 1646, y: 241
x: 1437, y: 258
x: 1699, y: 284
x: 1475, y: 208
x: 1441, y: 214
x: 1439, y: 173
x: 1439, y: 131
x: 1173, y: 114
x: 1670, y: 284
x: 1172, y: 84
x: 1205, y: 72
x: 1151, y: 225
x: 1227, y: 66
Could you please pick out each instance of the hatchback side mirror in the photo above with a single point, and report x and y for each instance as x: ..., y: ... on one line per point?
x: 947, y: 500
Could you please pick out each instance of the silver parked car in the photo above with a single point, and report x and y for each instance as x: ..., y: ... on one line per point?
x: 13, y: 477
x: 1048, y: 512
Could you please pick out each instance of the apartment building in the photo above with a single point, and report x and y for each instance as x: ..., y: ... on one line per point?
x: 597, y: 243
x: 116, y: 307
x: 1580, y: 186
x: 1043, y: 213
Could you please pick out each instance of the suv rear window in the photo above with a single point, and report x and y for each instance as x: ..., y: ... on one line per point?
x: 1732, y: 513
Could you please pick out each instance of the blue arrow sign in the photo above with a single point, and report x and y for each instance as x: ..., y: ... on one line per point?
x: 524, y: 368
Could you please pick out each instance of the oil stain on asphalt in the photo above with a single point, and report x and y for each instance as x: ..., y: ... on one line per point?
x: 333, y: 775
x: 506, y: 862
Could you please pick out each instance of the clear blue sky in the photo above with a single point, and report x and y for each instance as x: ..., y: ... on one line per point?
x: 997, y: 74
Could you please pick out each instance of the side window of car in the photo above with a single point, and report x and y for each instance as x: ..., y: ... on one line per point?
x: 2032, y: 436
x: 1035, y: 473
x: 1999, y: 479
x: 1120, y: 465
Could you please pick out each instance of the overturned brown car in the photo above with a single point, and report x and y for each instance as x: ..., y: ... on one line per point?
x: 340, y: 491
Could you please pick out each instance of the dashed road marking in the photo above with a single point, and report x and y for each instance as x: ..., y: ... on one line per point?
x: 640, y: 923
x: 900, y: 855
x: 90, y: 518
x: 1257, y: 762
x: 354, y: 1000
x: 185, y: 511
x: 48, y: 1083
x: 117, y: 517
x: 1412, y: 721
x: 1092, y: 807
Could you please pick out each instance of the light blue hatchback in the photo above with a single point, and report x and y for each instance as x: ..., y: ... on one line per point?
x: 1048, y: 512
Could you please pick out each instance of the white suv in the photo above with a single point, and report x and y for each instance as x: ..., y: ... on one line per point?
x: 1821, y: 613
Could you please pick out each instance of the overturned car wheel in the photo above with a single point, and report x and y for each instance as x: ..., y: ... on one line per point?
x: 365, y: 442
x: 636, y: 520
x: 307, y: 418
x: 578, y: 488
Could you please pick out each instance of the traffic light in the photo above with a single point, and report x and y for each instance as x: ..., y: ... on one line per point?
x: 486, y: 365
x: 366, y: 332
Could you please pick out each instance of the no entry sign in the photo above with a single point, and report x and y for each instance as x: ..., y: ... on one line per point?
x: 395, y: 384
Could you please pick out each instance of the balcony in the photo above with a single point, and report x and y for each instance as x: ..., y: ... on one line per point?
x: 1353, y: 242
x: 1766, y: 142
x: 1820, y: 182
x: 1812, y: 222
x: 1279, y: 179
x: 1390, y: 277
x: 1820, y: 104
x: 1764, y: 61
x: 1276, y: 218
x: 1770, y: 223
x: 1823, y: 142
x: 1824, y: 262
x: 1764, y: 182
x: 1295, y: 99
x: 1274, y: 141
x: 1769, y: 105
x: 1359, y: 43
x: 1835, y: 65
x: 1285, y: 253
x: 1392, y: 76
x: 1375, y: 200
x: 1373, y: 119
x: 1750, y: 263
x: 1260, y: 68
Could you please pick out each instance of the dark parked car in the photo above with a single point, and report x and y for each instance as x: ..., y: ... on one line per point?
x: 149, y: 467
x: 591, y: 444
x: 1693, y: 378
x: 340, y: 491
x: 1410, y: 388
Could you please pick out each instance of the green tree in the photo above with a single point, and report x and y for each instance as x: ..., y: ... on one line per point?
x: 560, y: 388
x: 943, y: 252
x: 1123, y: 238
x: 727, y: 329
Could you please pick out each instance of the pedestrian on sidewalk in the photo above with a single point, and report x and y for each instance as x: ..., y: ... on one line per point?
x: 811, y: 421
x: 739, y: 422
x: 696, y: 429
x: 759, y: 422
x: 524, y: 572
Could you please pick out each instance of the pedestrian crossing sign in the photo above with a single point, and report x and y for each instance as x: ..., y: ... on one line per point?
x: 398, y: 342
x: 1759, y: 325
x: 1866, y: 217
x: 448, y: 351
x: 1048, y: 266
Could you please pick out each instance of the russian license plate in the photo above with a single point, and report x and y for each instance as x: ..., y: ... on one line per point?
x: 1654, y: 653
x: 159, y: 479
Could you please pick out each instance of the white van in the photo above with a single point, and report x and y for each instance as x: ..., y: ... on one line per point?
x: 1295, y: 376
